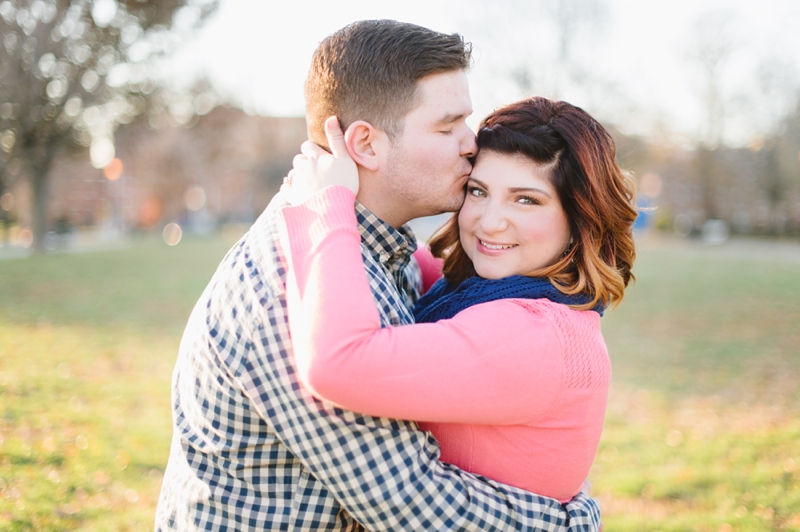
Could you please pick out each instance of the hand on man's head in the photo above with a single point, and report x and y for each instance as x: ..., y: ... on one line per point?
x: 315, y: 169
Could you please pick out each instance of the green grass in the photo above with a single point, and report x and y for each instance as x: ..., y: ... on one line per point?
x: 702, y: 431
x: 88, y: 342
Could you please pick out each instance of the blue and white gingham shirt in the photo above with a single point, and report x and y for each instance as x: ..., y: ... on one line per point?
x: 252, y: 450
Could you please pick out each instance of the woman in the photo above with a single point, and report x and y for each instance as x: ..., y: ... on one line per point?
x: 506, y: 365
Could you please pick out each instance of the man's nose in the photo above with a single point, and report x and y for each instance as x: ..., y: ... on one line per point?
x: 469, y: 145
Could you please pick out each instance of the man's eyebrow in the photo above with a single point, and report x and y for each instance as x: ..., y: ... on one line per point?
x: 450, y: 118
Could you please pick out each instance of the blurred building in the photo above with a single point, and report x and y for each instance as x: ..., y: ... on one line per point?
x: 753, y: 190
x: 223, y: 166
x: 226, y: 165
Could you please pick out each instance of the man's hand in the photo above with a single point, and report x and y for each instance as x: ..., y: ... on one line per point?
x: 315, y: 169
x: 586, y: 487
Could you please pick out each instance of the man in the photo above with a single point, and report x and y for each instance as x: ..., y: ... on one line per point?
x: 251, y: 448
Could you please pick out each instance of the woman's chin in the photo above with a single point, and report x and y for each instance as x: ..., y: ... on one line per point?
x: 492, y: 273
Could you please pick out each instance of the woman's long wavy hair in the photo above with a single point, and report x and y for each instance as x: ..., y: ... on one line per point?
x: 597, y: 196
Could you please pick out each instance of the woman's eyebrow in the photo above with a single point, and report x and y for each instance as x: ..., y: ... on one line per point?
x: 530, y: 189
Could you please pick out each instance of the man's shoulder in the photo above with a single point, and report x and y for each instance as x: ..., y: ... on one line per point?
x: 254, y: 269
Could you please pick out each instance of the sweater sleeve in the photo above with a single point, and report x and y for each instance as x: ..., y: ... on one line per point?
x: 494, y: 363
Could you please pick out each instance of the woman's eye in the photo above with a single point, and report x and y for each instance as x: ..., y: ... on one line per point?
x: 526, y: 200
x: 474, y: 191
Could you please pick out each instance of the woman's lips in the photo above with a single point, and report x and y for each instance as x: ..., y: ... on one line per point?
x: 493, y: 248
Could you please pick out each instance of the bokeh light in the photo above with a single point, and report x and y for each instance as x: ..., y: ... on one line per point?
x: 101, y: 152
x: 172, y: 234
x: 90, y: 80
x: 7, y: 140
x: 25, y: 238
x: 113, y: 170
x: 650, y: 185
x: 195, y: 198
x: 7, y: 201
x: 150, y: 211
x: 103, y: 12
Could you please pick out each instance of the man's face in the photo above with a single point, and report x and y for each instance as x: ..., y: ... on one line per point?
x: 426, y: 166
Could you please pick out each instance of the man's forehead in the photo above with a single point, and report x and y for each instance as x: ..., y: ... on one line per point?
x: 444, y: 97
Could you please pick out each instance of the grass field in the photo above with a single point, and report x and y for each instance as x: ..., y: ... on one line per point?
x: 702, y: 432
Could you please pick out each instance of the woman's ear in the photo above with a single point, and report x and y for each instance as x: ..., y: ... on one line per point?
x: 361, y: 139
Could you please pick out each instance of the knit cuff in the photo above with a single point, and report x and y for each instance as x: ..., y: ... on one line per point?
x: 331, y: 209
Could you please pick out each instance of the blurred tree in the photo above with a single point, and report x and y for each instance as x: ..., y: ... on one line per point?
x: 710, y: 50
x: 71, y: 71
x: 544, y: 45
x: 570, y: 19
x: 788, y: 158
x: 777, y: 91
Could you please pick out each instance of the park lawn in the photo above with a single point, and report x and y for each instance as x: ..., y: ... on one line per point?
x: 702, y: 431
x: 703, y: 426
x: 88, y: 343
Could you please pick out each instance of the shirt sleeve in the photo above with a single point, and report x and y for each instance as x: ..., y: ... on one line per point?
x: 495, y: 363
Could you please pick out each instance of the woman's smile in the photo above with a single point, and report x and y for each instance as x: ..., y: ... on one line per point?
x: 493, y: 248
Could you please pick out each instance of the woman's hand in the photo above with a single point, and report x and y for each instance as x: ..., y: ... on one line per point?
x: 315, y: 168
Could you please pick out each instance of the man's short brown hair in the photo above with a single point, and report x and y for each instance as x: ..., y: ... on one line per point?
x: 369, y: 70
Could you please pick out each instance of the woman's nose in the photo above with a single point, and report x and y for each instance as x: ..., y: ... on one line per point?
x: 493, y: 219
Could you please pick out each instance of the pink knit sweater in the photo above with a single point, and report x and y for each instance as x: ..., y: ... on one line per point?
x: 514, y: 390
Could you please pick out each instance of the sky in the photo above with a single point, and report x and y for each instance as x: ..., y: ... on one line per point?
x: 634, y: 61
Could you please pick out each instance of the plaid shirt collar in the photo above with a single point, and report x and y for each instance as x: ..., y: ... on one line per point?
x: 389, y: 246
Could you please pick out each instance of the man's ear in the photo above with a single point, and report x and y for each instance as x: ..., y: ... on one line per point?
x: 362, y: 140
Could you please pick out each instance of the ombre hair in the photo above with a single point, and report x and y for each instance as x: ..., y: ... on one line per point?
x: 596, y: 195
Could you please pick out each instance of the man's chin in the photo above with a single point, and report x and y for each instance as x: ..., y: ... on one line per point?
x: 456, y: 202
x: 445, y: 206
x: 445, y: 209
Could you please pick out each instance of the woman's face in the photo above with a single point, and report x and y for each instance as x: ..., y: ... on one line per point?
x: 512, y: 221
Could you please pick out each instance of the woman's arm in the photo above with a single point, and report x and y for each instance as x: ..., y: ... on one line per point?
x: 495, y: 363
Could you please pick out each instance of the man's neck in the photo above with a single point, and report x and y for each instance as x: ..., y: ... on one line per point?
x: 385, y: 210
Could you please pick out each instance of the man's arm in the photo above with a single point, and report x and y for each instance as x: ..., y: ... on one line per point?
x: 391, y: 479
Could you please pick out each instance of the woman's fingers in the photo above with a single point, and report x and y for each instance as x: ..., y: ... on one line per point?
x: 312, y: 151
x: 315, y: 169
x: 333, y: 131
x: 299, y: 160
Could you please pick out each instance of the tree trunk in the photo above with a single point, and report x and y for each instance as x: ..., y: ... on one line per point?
x: 39, y: 211
x: 706, y: 170
x: 775, y: 189
x: 4, y: 224
x: 5, y: 228
x: 40, y: 158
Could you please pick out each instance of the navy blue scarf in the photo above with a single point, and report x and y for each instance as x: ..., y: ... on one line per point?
x: 443, y: 300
